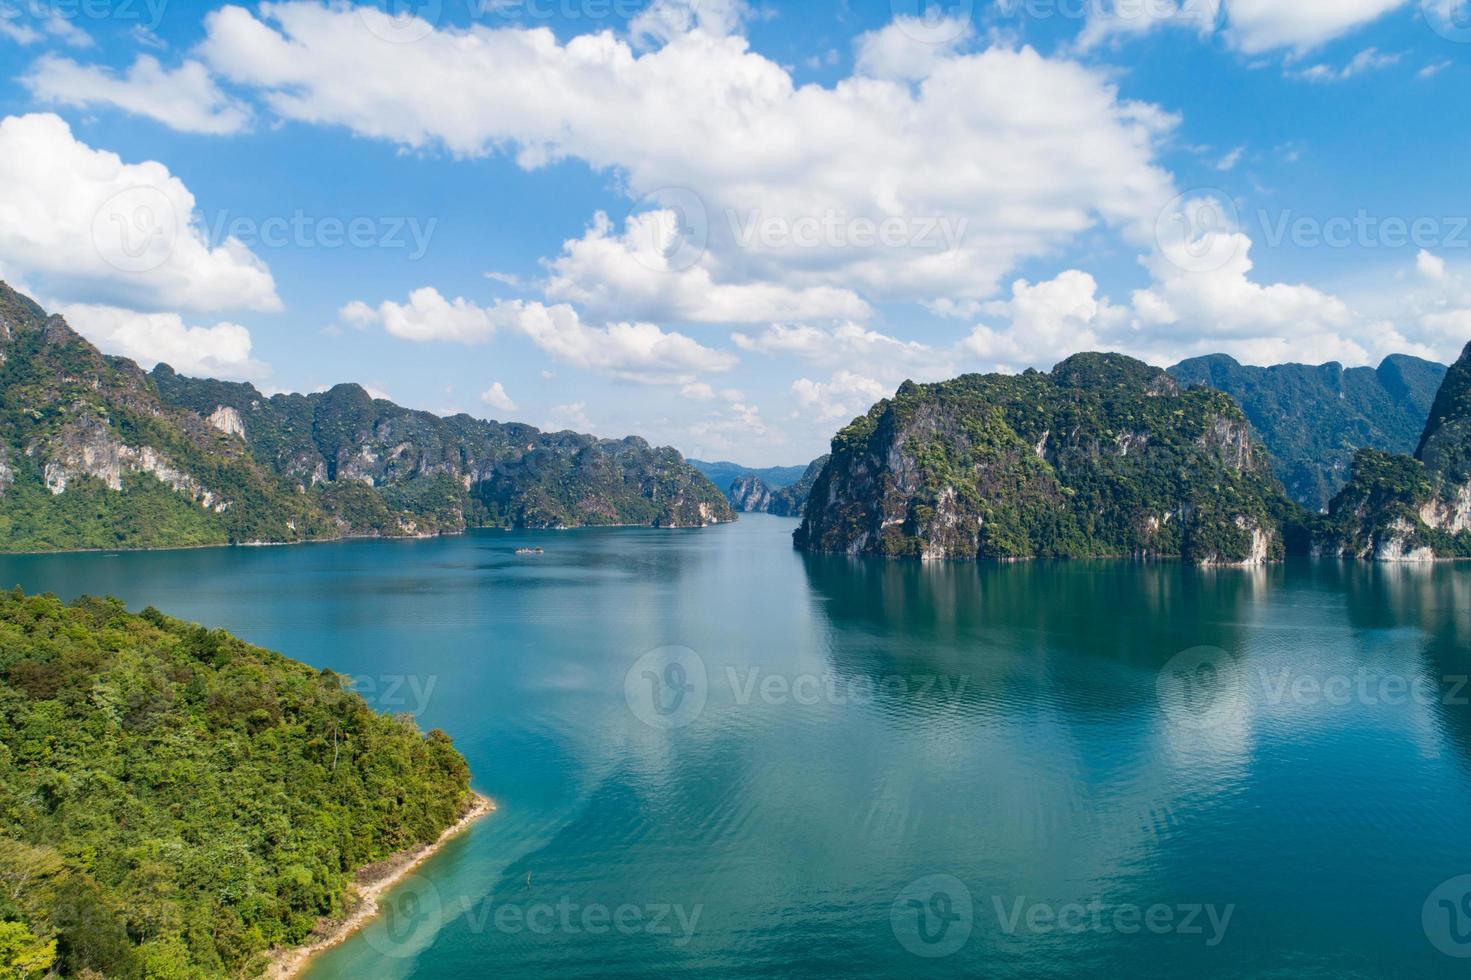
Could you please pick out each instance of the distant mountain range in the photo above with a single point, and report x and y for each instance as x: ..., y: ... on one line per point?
x: 778, y: 490
x: 1312, y: 419
x: 723, y: 474
x: 96, y: 453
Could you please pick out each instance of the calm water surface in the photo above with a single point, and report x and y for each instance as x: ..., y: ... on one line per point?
x: 868, y: 769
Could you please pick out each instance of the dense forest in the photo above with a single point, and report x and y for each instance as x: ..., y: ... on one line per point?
x: 174, y: 802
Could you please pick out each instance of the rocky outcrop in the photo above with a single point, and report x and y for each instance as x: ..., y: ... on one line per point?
x: 88, y: 448
x: 227, y: 420
x: 1104, y: 456
x: 749, y: 495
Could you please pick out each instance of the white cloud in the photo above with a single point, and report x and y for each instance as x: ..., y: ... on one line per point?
x: 736, y: 428
x: 87, y: 227
x: 1121, y: 19
x: 847, y: 344
x: 664, y: 20
x: 699, y: 392
x: 1225, y: 303
x: 988, y: 140
x: 185, y: 98
x: 1263, y: 25
x: 640, y: 352
x: 496, y: 398
x: 1430, y: 266
x: 219, y: 351
x: 1230, y: 160
x: 632, y: 351
x: 1045, y: 322
x: 1431, y: 70
x: 1250, y: 26
x: 902, y: 50
x: 572, y: 416
x: 635, y: 275
x: 1369, y: 59
x: 52, y: 24
x: 843, y: 397
x: 427, y: 316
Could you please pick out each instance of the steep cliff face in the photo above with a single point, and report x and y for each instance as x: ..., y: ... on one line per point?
x: 1398, y: 508
x: 95, y: 453
x: 1313, y: 418
x: 1104, y: 456
x: 749, y: 495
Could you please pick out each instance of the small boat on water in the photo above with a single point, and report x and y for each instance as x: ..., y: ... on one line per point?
x: 530, y: 551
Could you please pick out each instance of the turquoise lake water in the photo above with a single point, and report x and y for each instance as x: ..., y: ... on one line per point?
x: 717, y: 757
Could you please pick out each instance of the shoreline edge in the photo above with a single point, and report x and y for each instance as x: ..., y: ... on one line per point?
x: 285, y: 964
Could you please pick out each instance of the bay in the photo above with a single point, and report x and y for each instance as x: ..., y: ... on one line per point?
x: 715, y: 756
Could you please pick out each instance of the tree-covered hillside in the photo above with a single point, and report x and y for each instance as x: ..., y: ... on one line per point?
x: 95, y: 453
x: 173, y: 801
x: 1402, y: 508
x: 1103, y: 456
x: 1312, y: 419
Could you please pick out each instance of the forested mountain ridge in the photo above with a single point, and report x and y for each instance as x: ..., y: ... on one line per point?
x: 1105, y: 455
x: 724, y: 473
x: 1402, y: 508
x: 175, y: 802
x: 96, y: 453
x: 1313, y: 418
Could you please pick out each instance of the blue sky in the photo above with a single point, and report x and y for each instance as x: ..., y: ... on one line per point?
x: 731, y: 226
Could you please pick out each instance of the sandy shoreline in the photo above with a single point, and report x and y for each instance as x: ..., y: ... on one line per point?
x: 287, y: 963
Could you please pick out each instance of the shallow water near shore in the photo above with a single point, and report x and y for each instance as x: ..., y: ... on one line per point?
x: 714, y: 756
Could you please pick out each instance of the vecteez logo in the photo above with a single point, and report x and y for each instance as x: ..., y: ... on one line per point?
x: 1201, y: 688
x: 136, y: 229
x: 1446, y: 917
x: 667, y: 688
x: 932, y: 917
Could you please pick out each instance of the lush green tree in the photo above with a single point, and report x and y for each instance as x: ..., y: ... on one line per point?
x: 173, y: 801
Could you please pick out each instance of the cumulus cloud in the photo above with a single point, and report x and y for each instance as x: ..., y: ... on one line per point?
x: 572, y: 416
x: 1263, y: 25
x: 218, y: 351
x: 1119, y: 19
x: 84, y: 226
x: 1251, y: 26
x: 847, y: 344
x: 664, y: 20
x: 638, y: 274
x: 903, y: 49
x: 428, y: 316
x: 1430, y: 266
x: 1044, y: 322
x: 640, y: 352
x: 987, y: 142
x: 843, y: 397
x: 185, y: 98
x: 495, y: 397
